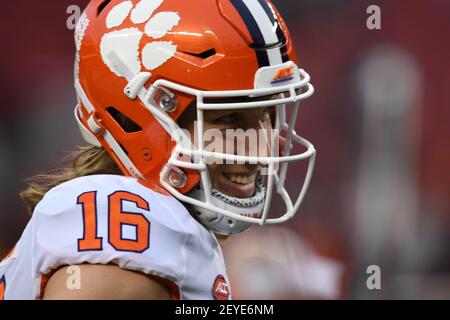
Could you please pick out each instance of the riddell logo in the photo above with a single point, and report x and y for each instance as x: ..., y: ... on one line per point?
x: 221, y: 291
x: 283, y: 74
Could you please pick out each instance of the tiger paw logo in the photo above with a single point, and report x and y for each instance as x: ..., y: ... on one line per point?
x: 221, y: 290
x: 128, y: 25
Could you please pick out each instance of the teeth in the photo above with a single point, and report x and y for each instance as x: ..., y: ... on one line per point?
x: 239, y: 179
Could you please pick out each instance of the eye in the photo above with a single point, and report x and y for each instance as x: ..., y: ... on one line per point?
x: 226, y: 119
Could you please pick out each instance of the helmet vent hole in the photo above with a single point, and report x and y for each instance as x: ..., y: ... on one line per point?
x: 128, y: 125
x: 203, y: 55
x: 102, y: 6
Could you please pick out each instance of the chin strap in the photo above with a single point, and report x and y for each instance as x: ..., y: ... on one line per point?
x: 222, y: 224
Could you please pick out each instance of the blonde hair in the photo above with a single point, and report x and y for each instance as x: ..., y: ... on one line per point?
x: 83, y: 162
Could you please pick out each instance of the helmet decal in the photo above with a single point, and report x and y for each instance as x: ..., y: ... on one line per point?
x: 283, y: 74
x: 125, y: 42
x: 118, y: 14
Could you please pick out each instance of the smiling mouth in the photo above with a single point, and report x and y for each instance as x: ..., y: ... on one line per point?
x: 237, y: 185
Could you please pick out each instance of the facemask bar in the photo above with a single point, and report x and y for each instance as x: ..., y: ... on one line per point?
x: 184, y: 145
x: 201, y: 95
x: 179, y: 137
x: 274, y: 178
x: 281, y: 190
x: 290, y: 130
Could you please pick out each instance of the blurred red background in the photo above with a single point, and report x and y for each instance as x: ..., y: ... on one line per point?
x: 379, y: 121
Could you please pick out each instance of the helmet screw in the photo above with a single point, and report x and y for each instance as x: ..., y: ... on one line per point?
x: 177, y: 178
x: 168, y: 101
x: 147, y: 154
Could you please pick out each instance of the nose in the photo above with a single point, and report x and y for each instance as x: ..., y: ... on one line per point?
x: 254, y: 139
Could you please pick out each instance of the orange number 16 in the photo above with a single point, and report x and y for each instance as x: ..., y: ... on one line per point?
x: 117, y: 218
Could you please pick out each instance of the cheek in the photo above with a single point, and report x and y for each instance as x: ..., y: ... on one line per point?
x: 214, y: 171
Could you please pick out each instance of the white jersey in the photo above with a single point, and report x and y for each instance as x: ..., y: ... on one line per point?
x: 108, y: 219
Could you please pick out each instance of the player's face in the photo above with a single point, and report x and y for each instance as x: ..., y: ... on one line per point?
x: 242, y: 132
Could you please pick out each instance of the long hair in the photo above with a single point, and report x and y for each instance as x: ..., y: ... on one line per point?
x: 83, y: 162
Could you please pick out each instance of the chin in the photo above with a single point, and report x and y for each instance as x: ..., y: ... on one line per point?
x: 220, y: 237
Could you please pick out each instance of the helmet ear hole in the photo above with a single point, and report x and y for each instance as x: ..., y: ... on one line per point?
x: 127, y: 125
x: 102, y: 6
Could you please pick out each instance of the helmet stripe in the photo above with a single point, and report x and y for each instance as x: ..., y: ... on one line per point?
x: 250, y: 21
x: 260, y: 26
x: 263, y: 21
x: 280, y: 34
x: 255, y: 32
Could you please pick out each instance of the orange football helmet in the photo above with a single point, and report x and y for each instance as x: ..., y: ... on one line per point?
x: 148, y: 60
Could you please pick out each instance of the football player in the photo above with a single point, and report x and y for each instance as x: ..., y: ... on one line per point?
x: 140, y: 213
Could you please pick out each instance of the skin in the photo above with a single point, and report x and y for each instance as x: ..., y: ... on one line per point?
x: 110, y: 282
x: 230, y: 119
x: 105, y: 282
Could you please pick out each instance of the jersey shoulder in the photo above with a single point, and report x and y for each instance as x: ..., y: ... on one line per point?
x: 104, y: 219
x: 103, y: 191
